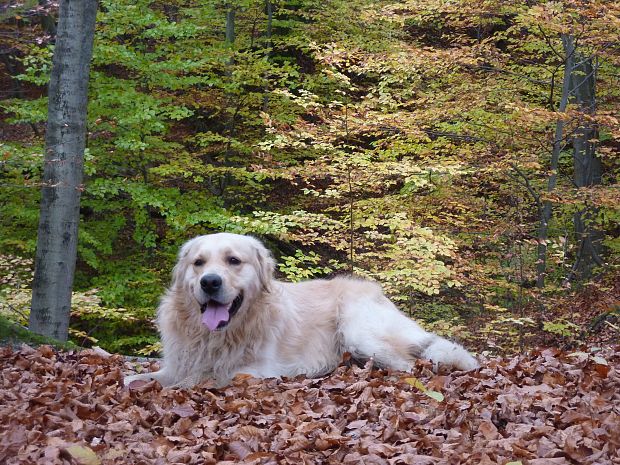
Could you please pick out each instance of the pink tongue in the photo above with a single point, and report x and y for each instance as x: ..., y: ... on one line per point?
x: 214, y: 314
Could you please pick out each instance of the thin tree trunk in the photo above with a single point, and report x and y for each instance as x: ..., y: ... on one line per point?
x: 226, y: 179
x: 63, y: 169
x: 269, y: 8
x: 543, y: 229
x: 587, y: 170
x: 47, y: 21
x: 230, y: 25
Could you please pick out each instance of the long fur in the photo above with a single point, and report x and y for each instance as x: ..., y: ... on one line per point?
x: 281, y: 329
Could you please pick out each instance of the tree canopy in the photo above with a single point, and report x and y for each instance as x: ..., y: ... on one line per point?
x: 410, y: 142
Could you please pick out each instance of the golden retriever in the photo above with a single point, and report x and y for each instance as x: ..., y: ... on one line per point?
x: 225, y: 314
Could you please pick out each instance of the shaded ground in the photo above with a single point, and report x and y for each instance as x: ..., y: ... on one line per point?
x: 545, y: 408
x: 591, y: 314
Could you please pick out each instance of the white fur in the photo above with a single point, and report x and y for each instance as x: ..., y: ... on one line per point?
x: 281, y: 329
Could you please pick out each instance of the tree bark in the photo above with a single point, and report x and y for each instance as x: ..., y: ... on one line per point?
x: 230, y: 25
x: 226, y: 179
x: 63, y: 169
x: 543, y: 229
x: 269, y: 9
x: 587, y: 170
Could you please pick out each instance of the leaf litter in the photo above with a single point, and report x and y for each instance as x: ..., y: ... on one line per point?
x: 547, y: 407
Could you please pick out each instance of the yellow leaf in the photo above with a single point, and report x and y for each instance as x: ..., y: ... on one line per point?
x: 83, y: 455
x: 416, y: 383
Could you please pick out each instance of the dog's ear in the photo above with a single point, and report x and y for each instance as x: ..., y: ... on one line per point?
x: 177, y: 271
x: 266, y: 265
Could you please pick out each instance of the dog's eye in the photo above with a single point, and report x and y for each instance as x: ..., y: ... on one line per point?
x: 234, y: 261
x: 199, y: 262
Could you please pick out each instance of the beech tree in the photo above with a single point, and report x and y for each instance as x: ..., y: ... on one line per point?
x: 587, y: 168
x: 63, y: 169
x: 545, y: 207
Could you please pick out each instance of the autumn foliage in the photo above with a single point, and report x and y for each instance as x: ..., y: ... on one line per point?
x: 550, y: 407
x: 428, y: 145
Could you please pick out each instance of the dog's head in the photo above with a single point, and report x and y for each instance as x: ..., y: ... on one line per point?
x: 223, y: 273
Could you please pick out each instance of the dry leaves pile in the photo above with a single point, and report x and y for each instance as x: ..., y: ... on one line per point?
x: 545, y: 408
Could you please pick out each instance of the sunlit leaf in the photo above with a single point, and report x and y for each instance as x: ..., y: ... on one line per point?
x: 83, y: 455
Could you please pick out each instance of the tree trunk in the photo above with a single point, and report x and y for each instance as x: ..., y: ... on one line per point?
x: 226, y: 179
x: 47, y: 21
x: 543, y: 229
x: 587, y: 170
x: 230, y: 25
x: 269, y: 8
x: 63, y: 169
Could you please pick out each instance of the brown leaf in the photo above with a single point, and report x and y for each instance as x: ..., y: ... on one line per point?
x: 240, y: 449
x: 357, y: 424
x: 488, y: 430
x: 122, y: 426
x: 178, y: 456
x: 183, y: 410
x: 549, y: 461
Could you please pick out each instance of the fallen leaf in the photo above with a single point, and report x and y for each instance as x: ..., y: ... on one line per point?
x: 183, y: 410
x: 83, y: 455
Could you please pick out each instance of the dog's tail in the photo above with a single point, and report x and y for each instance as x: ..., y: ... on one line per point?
x: 446, y: 353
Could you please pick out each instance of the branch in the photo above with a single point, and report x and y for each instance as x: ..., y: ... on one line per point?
x: 525, y: 182
x: 20, y: 313
x: 512, y: 73
x: 548, y: 41
x: 455, y: 136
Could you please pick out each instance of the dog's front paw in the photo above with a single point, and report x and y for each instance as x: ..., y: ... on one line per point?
x: 127, y: 380
x: 446, y: 353
x: 188, y: 382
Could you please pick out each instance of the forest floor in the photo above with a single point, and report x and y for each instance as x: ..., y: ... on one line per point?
x: 547, y: 407
x: 589, y: 317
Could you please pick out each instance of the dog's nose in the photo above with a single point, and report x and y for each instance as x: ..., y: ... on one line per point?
x: 210, y: 283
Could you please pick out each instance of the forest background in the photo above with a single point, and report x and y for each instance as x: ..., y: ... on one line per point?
x: 463, y: 154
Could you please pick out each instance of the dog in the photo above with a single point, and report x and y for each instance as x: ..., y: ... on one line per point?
x: 225, y: 314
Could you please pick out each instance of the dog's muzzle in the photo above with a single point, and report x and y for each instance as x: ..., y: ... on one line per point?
x: 211, y: 283
x: 216, y: 315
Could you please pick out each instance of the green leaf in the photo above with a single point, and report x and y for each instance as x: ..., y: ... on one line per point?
x: 600, y: 360
x: 438, y: 396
